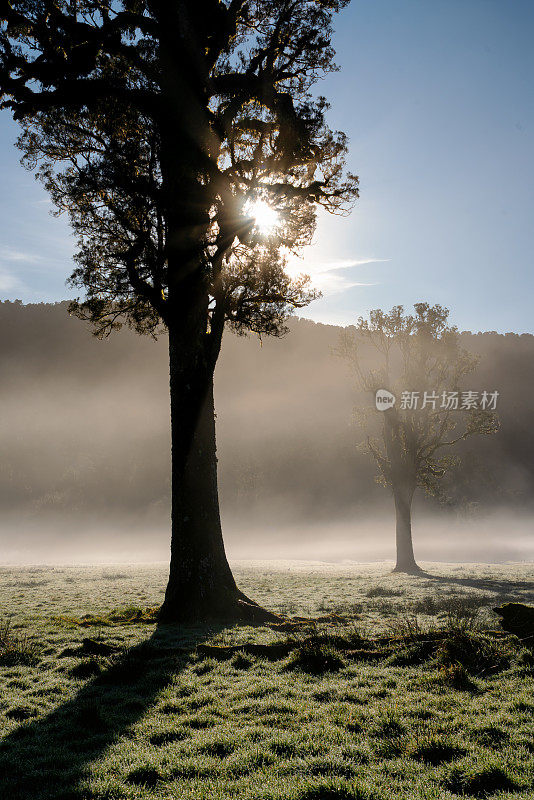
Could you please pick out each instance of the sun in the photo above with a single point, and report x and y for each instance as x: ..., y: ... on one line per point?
x: 265, y: 216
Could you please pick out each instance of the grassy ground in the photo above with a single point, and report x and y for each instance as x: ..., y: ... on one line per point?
x: 144, y: 712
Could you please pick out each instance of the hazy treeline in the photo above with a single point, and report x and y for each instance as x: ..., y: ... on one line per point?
x: 85, y: 427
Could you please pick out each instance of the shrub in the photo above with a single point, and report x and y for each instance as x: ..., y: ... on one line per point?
x: 20, y: 713
x: 383, y: 591
x: 476, y: 653
x: 456, y: 675
x: 333, y: 791
x: 480, y: 780
x: 490, y: 735
x: 283, y: 749
x: 166, y: 737
x: 15, y: 650
x: 411, y: 656
x: 242, y: 661
x: 524, y: 661
x: 316, y: 658
x: 390, y: 727
x: 87, y: 668
x: 217, y: 749
x: 144, y: 776
x: 434, y: 751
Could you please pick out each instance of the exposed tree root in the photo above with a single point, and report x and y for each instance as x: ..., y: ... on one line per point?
x: 244, y: 610
x: 232, y: 607
x: 297, y: 623
x: 357, y: 650
x: 413, y: 569
x: 250, y: 611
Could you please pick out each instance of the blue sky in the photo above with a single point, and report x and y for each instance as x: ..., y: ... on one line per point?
x: 437, y: 98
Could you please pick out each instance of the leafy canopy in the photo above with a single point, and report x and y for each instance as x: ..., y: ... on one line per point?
x: 154, y: 125
x: 417, y: 353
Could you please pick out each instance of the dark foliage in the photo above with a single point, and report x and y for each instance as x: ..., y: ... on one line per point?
x: 436, y: 751
x: 21, y: 713
x: 242, y: 661
x: 477, y: 653
x: 316, y: 658
x: 331, y: 791
x: 15, y: 648
x: 491, y: 735
x: 218, y: 749
x: 383, y: 591
x: 412, y: 655
x: 144, y: 776
x: 480, y: 781
x: 87, y: 668
x: 165, y: 737
x: 517, y: 618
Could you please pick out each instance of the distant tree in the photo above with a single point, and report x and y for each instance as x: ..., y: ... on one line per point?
x: 170, y: 131
x: 420, y: 361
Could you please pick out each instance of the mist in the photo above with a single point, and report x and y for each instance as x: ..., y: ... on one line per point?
x: 85, y: 468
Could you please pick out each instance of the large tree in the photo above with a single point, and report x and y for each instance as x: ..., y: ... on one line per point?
x: 418, y: 360
x: 167, y: 130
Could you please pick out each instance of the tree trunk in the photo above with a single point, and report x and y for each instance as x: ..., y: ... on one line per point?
x: 403, y: 508
x: 201, y: 585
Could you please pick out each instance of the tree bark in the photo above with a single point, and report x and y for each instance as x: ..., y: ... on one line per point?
x: 403, y: 496
x: 201, y: 585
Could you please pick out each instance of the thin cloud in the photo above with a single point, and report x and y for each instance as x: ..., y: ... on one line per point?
x: 39, y: 203
x: 330, y: 279
x: 330, y: 283
x: 8, y: 282
x: 347, y: 263
x: 298, y: 265
x: 9, y: 254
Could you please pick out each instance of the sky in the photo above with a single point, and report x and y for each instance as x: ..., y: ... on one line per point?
x: 437, y: 101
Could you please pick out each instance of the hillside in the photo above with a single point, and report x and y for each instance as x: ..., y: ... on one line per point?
x: 85, y: 428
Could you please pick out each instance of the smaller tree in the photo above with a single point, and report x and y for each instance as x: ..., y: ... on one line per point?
x: 419, y: 360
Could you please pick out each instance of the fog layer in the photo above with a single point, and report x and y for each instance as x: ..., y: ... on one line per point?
x: 85, y: 467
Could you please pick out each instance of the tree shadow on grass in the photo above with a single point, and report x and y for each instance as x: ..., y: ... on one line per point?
x: 505, y: 588
x: 48, y: 757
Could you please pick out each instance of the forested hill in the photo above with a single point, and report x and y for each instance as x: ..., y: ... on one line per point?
x: 85, y: 424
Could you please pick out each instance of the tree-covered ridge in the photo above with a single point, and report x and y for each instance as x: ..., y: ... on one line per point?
x: 284, y: 434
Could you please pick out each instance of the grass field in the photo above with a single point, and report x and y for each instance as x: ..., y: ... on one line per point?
x: 405, y: 694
